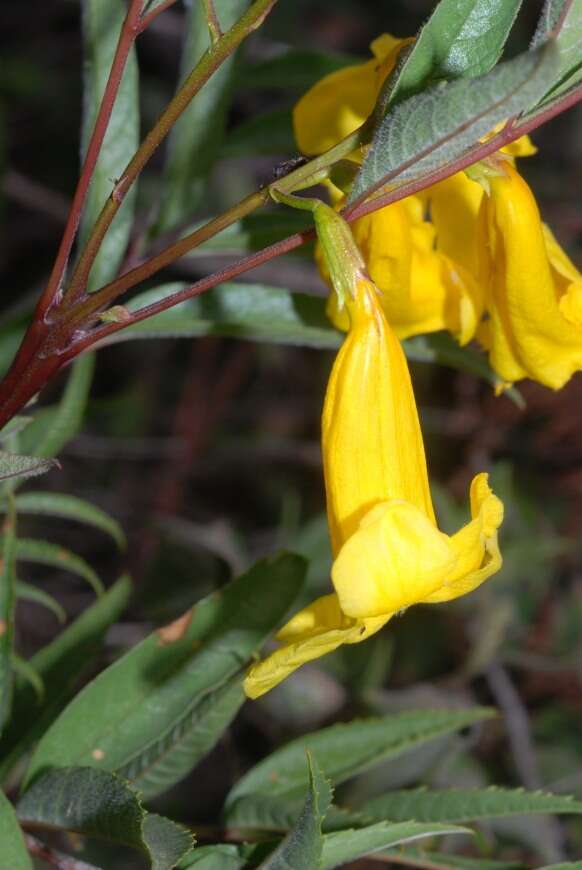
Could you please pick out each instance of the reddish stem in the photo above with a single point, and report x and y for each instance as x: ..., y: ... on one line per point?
x: 147, y: 19
x: 129, y: 32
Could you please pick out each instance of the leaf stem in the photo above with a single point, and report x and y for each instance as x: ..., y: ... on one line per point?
x: 214, y: 28
x: 129, y: 32
x: 207, y: 65
x: 358, y: 209
x: 148, y: 17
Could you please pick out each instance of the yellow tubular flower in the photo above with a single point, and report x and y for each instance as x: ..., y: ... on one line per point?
x: 534, y: 293
x: 423, y: 290
x: 388, y: 551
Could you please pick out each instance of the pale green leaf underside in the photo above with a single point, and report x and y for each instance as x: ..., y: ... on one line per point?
x: 434, y: 127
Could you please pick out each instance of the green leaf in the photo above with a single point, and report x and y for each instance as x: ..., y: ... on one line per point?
x: 99, y: 804
x: 566, y: 865
x: 226, y: 856
x: 271, y: 314
x: 249, y: 311
x: 195, y: 139
x: 7, y: 602
x: 24, y: 669
x: 302, y: 847
x: 294, y: 69
x: 14, y: 852
x: 464, y: 805
x: 14, y: 467
x: 47, y: 553
x: 156, y: 711
x: 28, y: 592
x: 269, y: 133
x: 420, y: 857
x: 55, y: 504
x: 61, y: 665
x: 434, y: 127
x: 346, y: 750
x: 13, y: 427
x: 102, y: 21
x: 53, y: 427
x: 569, y: 42
x: 252, y: 233
x: 461, y: 38
x: 344, y: 846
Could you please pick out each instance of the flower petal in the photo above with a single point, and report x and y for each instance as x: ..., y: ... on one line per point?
x: 313, y: 632
x: 371, y: 438
x: 529, y: 335
x: 475, y: 545
x: 396, y: 558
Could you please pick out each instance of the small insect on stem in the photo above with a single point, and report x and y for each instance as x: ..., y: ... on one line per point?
x: 288, y: 166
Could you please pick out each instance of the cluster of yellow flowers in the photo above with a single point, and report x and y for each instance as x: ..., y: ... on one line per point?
x: 481, y: 266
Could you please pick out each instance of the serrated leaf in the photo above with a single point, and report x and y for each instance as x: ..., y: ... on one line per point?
x: 14, y: 852
x: 344, y: 846
x: 14, y: 467
x: 61, y: 665
x: 302, y: 847
x: 226, y: 856
x: 7, y: 602
x: 346, y: 750
x: 101, y: 25
x: 53, y: 427
x: 461, y: 862
x: 29, y: 592
x: 461, y: 38
x: 464, y: 805
x: 99, y: 804
x: 295, y: 68
x: 434, y: 127
x: 158, y: 707
x: 69, y: 507
x: 47, y: 553
x: 195, y: 139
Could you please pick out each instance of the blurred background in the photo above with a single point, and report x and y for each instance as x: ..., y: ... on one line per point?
x: 207, y: 451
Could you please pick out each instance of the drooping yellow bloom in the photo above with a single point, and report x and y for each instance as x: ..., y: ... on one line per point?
x: 534, y: 292
x: 388, y: 550
x: 423, y: 289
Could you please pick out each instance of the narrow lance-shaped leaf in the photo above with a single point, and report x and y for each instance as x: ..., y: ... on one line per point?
x: 302, y: 847
x: 102, y: 21
x: 14, y: 852
x: 28, y: 592
x: 7, y: 601
x: 99, y: 804
x: 158, y: 709
x: 346, y: 750
x: 434, y: 127
x: 61, y: 665
x: 344, y: 846
x: 195, y: 138
x: 47, y: 553
x: 464, y: 805
x: 461, y: 38
x: 69, y: 507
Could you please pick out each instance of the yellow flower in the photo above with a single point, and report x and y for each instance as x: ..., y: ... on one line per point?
x: 341, y: 101
x: 533, y: 291
x: 388, y: 550
x: 423, y: 289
